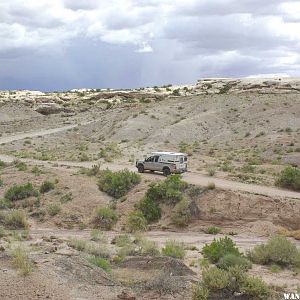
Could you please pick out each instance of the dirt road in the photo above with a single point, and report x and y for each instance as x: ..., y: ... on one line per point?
x: 190, y: 177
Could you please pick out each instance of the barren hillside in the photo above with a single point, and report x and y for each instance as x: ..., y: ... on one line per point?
x: 75, y: 225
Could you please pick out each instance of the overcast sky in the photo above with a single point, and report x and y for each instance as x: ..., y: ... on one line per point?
x: 64, y: 44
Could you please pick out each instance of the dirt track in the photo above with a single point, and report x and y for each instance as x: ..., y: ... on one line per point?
x: 190, y: 177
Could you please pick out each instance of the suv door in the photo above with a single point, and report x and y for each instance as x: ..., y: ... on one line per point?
x: 148, y: 163
x: 156, y: 165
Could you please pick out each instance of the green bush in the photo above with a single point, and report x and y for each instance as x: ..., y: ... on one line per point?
x: 227, y: 282
x: 122, y: 240
x: 147, y: 247
x: 53, y: 209
x: 168, y: 191
x: 213, y: 230
x: 21, y: 166
x: 19, y: 192
x: 136, y: 221
x: 21, y: 261
x: 219, y: 248
x: 15, y: 219
x: 289, y: 178
x: 1, y: 182
x: 98, y: 250
x: 105, y: 218
x: 200, y: 292
x: 97, y: 235
x: 230, y: 260
x: 173, y: 249
x: 127, y: 250
x: 46, y: 186
x: 100, y: 262
x: 5, y: 204
x: 181, y: 214
x: 215, y: 279
x: 256, y: 288
x: 278, y: 250
x: 150, y: 209
x: 94, y: 171
x: 2, y: 164
x: 77, y: 244
x: 36, y: 171
x: 66, y: 198
x: 117, y: 184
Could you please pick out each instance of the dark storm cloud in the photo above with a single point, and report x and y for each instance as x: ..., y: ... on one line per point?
x: 46, y: 44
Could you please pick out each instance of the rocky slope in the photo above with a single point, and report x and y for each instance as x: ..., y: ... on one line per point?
x: 55, y: 102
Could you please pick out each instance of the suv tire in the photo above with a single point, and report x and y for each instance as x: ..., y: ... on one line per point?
x: 166, y: 171
x: 141, y: 169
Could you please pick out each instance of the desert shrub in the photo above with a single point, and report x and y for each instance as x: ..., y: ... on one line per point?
x: 147, y: 247
x: 213, y: 230
x: 36, y: 171
x: 100, y: 262
x: 2, y: 231
x: 19, y: 192
x: 117, y: 184
x: 77, y: 244
x: 194, y: 191
x: 219, y: 248
x: 200, y: 292
x: 289, y: 178
x: 1, y: 182
x: 256, y: 288
x: 230, y: 260
x: 83, y: 156
x: 5, y: 204
x: 105, y: 218
x: 278, y: 250
x: 136, y: 221
x: 66, y: 198
x: 53, y: 209
x: 181, y: 213
x: 97, y: 235
x: 168, y: 191
x: 291, y: 233
x: 211, y: 171
x: 94, y: 171
x: 21, y: 166
x: 211, y: 186
x: 15, y: 219
x: 150, y: 209
x: 227, y: 282
x: 21, y: 261
x: 2, y: 164
x: 176, y: 92
x: 129, y: 249
x: 173, y: 249
x: 122, y: 240
x: 110, y: 151
x: 215, y: 279
x: 238, y: 273
x: 46, y: 186
x: 97, y: 250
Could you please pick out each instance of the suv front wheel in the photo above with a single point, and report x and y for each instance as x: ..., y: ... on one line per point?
x: 141, y: 169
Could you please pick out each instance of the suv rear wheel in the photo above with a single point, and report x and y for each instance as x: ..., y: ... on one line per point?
x: 141, y: 169
x: 166, y: 171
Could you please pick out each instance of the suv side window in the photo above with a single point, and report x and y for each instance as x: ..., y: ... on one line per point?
x: 156, y: 158
x: 149, y: 159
